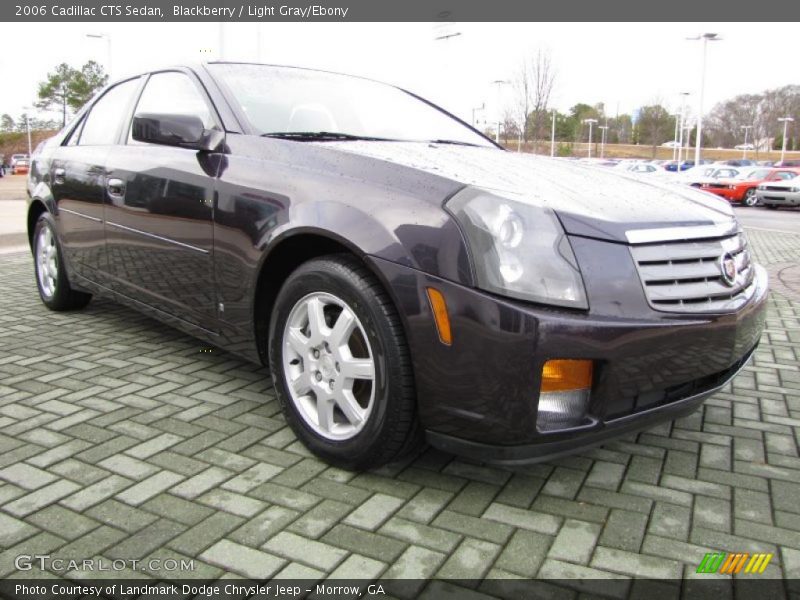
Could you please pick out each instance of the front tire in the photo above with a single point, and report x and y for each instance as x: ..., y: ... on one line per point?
x: 51, y: 272
x: 341, y: 365
x: 750, y: 199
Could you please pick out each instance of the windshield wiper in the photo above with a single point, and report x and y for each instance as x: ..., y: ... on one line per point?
x: 453, y: 142
x: 322, y: 136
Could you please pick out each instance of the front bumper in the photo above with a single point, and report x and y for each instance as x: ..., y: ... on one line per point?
x: 778, y: 198
x: 479, y: 396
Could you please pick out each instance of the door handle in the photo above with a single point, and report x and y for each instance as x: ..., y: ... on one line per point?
x: 58, y: 175
x: 115, y: 187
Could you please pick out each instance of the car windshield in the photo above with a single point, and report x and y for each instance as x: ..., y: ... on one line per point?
x: 757, y: 174
x: 306, y: 105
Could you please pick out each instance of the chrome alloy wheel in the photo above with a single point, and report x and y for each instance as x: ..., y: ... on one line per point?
x: 328, y: 366
x: 47, y: 261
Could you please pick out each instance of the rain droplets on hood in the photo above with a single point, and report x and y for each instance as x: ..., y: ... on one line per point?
x: 560, y: 184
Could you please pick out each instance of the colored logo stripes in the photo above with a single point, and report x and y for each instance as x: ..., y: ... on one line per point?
x: 729, y: 563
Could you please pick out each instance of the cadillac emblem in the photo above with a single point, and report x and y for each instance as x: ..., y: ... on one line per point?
x: 727, y: 265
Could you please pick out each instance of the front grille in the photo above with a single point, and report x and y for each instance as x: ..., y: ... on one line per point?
x: 775, y: 188
x: 716, y: 185
x: 686, y: 277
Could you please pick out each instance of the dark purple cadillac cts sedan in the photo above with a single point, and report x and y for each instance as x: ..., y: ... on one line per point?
x: 403, y: 277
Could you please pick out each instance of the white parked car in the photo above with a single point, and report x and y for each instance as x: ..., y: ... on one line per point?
x: 697, y: 176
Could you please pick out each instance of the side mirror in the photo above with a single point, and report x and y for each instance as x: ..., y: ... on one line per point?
x: 185, y: 131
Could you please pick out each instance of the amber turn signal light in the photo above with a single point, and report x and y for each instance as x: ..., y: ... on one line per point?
x: 565, y: 375
x: 439, y: 307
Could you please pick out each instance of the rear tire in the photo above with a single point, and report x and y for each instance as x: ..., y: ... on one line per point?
x: 51, y: 272
x: 341, y: 365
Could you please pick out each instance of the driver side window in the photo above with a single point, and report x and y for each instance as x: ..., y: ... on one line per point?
x: 173, y: 93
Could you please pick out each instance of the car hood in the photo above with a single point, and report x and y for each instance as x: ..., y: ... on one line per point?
x: 590, y: 201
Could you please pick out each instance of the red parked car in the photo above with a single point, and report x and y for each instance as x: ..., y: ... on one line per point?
x: 742, y: 190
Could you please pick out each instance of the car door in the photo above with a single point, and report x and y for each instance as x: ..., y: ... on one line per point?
x: 159, y: 209
x: 77, y: 179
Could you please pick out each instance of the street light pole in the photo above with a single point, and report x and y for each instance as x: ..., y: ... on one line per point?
x: 499, y: 83
x: 786, y: 121
x: 675, y: 139
x: 681, y: 127
x: 481, y: 107
x: 744, y: 148
x: 590, y: 122
x: 603, y: 128
x: 107, y: 38
x: 553, y: 135
x: 705, y: 37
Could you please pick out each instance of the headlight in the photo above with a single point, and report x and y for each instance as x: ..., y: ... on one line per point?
x: 518, y: 250
x: 731, y: 187
x: 762, y: 187
x: 794, y: 190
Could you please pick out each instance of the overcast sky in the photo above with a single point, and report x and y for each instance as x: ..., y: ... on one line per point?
x: 623, y: 65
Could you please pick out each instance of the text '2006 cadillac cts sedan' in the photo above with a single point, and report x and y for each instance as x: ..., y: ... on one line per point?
x: 403, y: 277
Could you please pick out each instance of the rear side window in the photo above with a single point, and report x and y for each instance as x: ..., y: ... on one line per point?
x: 173, y: 93
x: 102, y: 126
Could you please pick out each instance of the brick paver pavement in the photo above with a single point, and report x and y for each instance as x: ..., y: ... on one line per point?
x: 123, y: 439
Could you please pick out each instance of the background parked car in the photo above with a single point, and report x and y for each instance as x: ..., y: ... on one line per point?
x: 779, y: 193
x: 698, y: 175
x: 15, y: 158
x: 20, y: 167
x: 742, y: 190
x: 673, y: 165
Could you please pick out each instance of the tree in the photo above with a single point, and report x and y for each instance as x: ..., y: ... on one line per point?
x: 6, y: 123
x: 55, y: 90
x: 656, y: 125
x: 68, y: 88
x: 523, y: 100
x: 533, y: 86
x: 86, y: 83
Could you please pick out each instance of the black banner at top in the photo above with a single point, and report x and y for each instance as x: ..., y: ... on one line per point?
x: 394, y: 10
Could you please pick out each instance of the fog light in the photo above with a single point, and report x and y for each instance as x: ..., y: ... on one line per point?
x: 564, y: 394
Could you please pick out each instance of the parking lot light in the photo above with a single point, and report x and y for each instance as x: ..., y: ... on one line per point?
x: 744, y: 148
x: 499, y: 83
x: 705, y: 37
x: 675, y: 137
x: 28, y: 128
x: 604, y: 128
x: 786, y: 121
x: 590, y: 122
x: 681, y: 127
x: 107, y: 38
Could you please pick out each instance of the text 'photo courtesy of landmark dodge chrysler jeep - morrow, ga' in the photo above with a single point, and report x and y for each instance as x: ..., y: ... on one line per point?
x: 405, y: 278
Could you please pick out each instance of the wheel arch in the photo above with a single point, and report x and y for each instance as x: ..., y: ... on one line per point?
x: 285, y: 255
x: 35, y: 210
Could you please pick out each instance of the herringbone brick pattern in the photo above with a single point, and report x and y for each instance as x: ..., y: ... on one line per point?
x: 123, y: 439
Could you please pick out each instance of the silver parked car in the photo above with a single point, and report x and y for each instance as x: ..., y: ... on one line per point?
x: 773, y: 194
